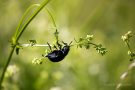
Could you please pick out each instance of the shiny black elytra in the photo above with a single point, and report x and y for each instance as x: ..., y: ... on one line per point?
x: 58, y: 55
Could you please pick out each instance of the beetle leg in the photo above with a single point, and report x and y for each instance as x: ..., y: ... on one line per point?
x: 59, y: 45
x: 49, y: 46
x: 65, y: 43
x: 70, y: 43
x: 55, y: 47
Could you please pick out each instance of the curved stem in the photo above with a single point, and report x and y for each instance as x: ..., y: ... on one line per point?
x: 23, y: 17
x: 5, y: 67
x: 54, y: 24
x: 53, y: 21
x: 31, y: 18
x: 18, y: 35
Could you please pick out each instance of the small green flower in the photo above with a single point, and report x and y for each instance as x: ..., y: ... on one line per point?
x: 100, y: 49
x: 37, y: 61
x: 32, y: 42
x: 127, y: 36
x: 86, y: 42
x: 89, y: 37
x: 126, y: 39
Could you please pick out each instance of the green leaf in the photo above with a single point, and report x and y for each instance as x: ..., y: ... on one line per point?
x: 17, y: 51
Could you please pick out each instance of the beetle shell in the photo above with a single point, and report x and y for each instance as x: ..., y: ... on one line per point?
x: 58, y: 55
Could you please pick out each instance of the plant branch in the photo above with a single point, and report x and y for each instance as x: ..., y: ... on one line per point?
x: 34, y: 45
x: 7, y: 63
x: 23, y: 17
x: 31, y: 18
x: 127, y: 43
x: 17, y: 35
x: 52, y: 19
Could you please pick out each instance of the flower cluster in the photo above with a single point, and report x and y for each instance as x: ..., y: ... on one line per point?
x: 86, y: 42
x: 126, y: 39
x: 127, y: 36
x: 37, y: 61
x: 100, y: 49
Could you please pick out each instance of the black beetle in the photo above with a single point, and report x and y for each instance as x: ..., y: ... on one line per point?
x: 58, y: 55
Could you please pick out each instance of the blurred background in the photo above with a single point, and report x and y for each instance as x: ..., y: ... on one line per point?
x: 82, y: 69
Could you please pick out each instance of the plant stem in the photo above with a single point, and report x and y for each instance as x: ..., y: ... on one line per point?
x: 18, y: 35
x: 131, y: 55
x: 52, y: 19
x: 31, y: 18
x: 35, y: 45
x: 88, y: 43
x: 128, y: 46
x: 21, y: 20
x: 93, y: 44
x: 5, y: 67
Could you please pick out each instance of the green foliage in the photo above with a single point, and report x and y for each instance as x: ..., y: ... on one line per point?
x: 82, y: 42
x: 100, y: 49
x: 17, y: 35
x: 37, y: 61
x: 126, y: 38
x: 127, y: 77
x: 82, y: 69
x: 22, y: 27
x: 87, y: 42
x: 32, y: 42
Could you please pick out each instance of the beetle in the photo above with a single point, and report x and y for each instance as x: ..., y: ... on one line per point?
x: 58, y: 54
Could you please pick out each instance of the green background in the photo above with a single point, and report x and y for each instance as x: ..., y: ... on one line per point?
x: 82, y: 69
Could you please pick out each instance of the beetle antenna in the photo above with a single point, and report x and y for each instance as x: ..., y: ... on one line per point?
x: 70, y: 43
x: 75, y: 40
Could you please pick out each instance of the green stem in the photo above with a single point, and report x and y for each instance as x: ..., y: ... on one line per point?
x: 18, y: 35
x: 21, y: 21
x: 31, y: 18
x: 35, y: 45
x: 93, y: 44
x: 128, y: 46
x: 127, y: 43
x: 54, y: 24
x: 5, y: 67
x: 88, y: 43
x: 52, y: 19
